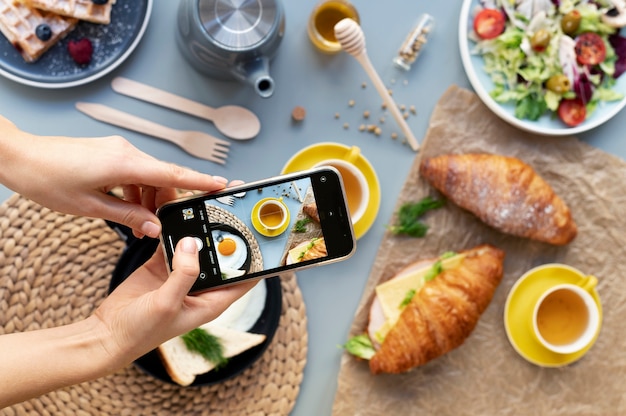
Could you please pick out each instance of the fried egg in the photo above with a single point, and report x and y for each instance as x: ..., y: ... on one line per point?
x: 231, y: 249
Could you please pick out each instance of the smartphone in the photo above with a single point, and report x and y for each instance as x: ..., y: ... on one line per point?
x: 264, y: 228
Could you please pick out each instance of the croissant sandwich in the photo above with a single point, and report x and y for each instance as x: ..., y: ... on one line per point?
x: 428, y: 309
x: 503, y: 192
x: 307, y: 250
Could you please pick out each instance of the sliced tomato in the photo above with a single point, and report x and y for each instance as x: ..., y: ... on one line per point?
x: 572, y: 111
x: 489, y: 23
x: 590, y: 49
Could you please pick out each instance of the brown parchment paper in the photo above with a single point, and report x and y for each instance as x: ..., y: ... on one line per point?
x: 485, y: 376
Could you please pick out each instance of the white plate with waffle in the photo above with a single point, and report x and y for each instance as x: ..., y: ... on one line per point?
x: 112, y: 42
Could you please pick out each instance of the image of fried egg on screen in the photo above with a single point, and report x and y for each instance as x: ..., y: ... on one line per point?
x: 232, y: 251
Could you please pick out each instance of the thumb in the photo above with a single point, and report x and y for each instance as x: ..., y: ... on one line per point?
x: 140, y: 219
x: 185, y: 270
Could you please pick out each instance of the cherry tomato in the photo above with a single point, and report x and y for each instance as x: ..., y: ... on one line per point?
x: 572, y: 111
x: 489, y: 23
x: 590, y: 49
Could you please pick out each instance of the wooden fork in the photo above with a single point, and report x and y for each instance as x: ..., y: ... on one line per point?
x: 196, y: 143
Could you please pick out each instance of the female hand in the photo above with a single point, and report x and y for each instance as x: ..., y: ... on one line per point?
x: 149, y: 307
x: 74, y: 176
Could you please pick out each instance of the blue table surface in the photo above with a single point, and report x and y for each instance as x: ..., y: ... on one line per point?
x: 324, y: 85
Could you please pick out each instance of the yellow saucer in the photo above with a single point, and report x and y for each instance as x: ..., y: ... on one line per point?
x: 314, y: 154
x: 519, y: 308
x: 259, y: 227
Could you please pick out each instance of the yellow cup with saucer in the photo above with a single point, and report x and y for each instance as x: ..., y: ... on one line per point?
x: 522, y: 306
x: 319, y: 153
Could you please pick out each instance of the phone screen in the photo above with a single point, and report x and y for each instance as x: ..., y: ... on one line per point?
x: 263, y: 228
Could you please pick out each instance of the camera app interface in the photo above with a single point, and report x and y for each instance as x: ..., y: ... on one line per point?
x: 248, y: 232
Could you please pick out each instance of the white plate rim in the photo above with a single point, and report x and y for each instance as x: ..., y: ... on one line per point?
x: 507, y: 116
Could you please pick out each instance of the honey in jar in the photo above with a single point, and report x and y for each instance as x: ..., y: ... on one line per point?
x: 321, y: 26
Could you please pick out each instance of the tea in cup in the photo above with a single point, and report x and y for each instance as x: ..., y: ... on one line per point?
x: 566, y: 317
x: 272, y: 214
x: 355, y: 185
x: 322, y: 21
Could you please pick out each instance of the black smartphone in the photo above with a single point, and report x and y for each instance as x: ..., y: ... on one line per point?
x: 264, y: 228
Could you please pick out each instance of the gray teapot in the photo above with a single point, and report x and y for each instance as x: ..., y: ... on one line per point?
x: 232, y: 39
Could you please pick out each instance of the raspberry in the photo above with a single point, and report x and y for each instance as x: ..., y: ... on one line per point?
x: 80, y: 50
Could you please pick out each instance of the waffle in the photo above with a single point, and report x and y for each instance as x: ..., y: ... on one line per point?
x: 80, y: 9
x: 19, y: 22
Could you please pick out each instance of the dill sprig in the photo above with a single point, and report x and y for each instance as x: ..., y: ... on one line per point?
x: 408, y: 218
x: 207, y: 345
x: 300, y: 226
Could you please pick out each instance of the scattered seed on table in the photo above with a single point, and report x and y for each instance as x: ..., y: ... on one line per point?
x: 366, y: 114
x: 351, y: 103
x: 412, y: 109
x: 337, y: 115
x: 298, y: 113
x: 394, y: 135
x: 362, y: 127
x: 346, y: 126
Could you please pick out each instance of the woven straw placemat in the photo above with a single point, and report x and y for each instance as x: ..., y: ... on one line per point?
x: 55, y: 269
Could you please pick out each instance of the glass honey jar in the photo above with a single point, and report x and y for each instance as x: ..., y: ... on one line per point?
x: 321, y: 26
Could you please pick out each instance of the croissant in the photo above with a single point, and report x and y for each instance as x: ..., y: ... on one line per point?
x: 503, y: 192
x: 442, y: 314
x: 311, y: 211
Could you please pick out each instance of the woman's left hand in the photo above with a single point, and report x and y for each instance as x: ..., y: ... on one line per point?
x: 75, y: 175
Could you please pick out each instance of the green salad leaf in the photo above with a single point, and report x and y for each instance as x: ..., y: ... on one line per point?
x: 360, y: 346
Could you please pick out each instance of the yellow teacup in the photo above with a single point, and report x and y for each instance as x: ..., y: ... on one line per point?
x: 272, y: 214
x: 354, y: 182
x: 565, y: 317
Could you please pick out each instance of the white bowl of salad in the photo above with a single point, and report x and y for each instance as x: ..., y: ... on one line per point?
x: 552, y: 67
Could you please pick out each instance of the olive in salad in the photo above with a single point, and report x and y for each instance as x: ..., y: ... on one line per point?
x: 557, y: 57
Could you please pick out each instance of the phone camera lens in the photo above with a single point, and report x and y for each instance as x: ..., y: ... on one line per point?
x: 322, y: 179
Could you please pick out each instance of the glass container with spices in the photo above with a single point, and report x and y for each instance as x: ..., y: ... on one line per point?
x: 414, y: 42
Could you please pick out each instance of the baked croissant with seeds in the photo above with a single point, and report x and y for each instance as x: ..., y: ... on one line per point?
x: 503, y: 192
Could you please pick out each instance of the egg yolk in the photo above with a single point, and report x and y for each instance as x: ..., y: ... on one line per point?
x: 227, y: 246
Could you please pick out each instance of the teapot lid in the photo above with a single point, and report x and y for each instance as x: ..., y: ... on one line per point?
x: 238, y: 24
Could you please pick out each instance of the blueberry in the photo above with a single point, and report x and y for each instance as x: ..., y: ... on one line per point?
x: 43, y: 32
x: 99, y: 1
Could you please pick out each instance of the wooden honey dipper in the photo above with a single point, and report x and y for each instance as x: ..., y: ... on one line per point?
x: 352, y: 40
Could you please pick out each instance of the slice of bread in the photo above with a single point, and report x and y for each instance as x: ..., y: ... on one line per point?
x: 184, y: 365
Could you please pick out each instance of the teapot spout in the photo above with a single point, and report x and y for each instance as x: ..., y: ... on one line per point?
x: 256, y: 73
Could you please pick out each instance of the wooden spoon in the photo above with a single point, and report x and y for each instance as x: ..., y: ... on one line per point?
x: 232, y: 121
x: 352, y: 40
